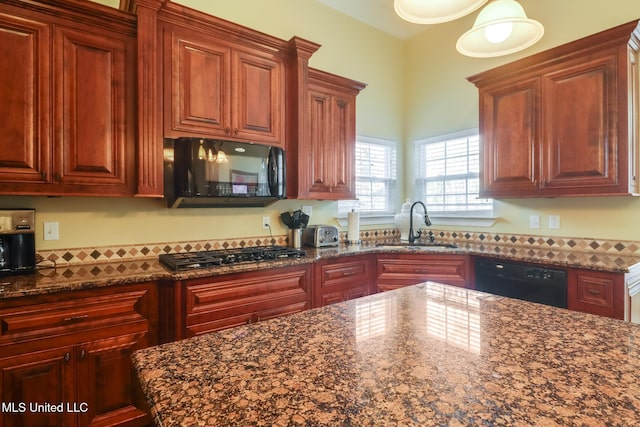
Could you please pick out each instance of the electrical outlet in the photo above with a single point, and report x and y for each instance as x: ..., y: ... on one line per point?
x: 51, y: 231
x: 307, y: 210
x: 534, y: 221
x: 266, y: 222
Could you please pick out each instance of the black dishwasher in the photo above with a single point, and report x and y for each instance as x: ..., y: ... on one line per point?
x: 522, y: 281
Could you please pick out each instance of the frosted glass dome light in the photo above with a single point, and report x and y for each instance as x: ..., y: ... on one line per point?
x: 501, y: 28
x: 435, y: 11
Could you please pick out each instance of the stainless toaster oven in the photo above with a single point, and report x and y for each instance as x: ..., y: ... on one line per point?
x: 320, y: 236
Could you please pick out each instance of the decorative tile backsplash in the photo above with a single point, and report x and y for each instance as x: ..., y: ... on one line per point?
x: 152, y: 250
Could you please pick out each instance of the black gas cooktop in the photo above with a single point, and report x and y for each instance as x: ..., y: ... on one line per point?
x: 205, y: 259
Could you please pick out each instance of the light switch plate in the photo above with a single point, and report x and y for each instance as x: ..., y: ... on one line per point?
x: 554, y: 221
x: 51, y: 231
x: 534, y: 221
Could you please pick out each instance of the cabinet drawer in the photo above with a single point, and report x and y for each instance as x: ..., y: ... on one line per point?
x: 227, y: 301
x: 344, y: 272
x: 70, y: 315
x: 412, y: 269
x: 597, y: 293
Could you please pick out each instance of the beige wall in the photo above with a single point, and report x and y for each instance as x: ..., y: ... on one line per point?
x: 349, y: 48
x: 415, y: 90
x: 441, y: 100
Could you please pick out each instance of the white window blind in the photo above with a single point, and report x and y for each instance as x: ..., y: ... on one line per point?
x: 448, y: 174
x: 375, y: 177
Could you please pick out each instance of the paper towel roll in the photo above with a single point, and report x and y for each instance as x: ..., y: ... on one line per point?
x: 353, y: 228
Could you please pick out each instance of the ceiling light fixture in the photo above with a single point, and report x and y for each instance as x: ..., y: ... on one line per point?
x: 501, y: 28
x: 435, y: 11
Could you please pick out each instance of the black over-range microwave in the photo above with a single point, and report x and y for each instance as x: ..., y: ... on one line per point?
x: 200, y: 172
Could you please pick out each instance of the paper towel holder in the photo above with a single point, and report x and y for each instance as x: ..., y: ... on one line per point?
x: 353, y: 229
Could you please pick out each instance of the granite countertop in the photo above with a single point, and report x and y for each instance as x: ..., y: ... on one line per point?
x: 85, y: 276
x: 424, y: 355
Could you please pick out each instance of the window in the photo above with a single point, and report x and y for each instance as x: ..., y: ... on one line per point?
x: 448, y: 174
x: 375, y: 177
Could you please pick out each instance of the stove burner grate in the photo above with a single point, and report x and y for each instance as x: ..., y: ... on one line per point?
x: 205, y: 259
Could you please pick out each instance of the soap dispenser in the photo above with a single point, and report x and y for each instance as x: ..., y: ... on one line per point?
x: 402, y: 220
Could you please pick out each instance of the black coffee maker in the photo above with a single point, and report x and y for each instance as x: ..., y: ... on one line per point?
x: 17, y: 242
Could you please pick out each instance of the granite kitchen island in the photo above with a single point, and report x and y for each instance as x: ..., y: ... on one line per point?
x: 426, y: 355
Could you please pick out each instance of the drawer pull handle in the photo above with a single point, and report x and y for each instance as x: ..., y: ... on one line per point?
x: 421, y: 271
x: 67, y: 357
x: 83, y: 354
x: 594, y: 292
x: 348, y: 273
x: 76, y: 318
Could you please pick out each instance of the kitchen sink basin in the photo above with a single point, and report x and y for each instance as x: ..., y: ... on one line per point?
x: 418, y: 245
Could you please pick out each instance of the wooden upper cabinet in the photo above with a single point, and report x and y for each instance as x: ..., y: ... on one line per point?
x: 68, y: 100
x: 563, y: 122
x: 509, y: 137
x: 219, y: 89
x: 94, y: 112
x: 24, y: 105
x: 258, y: 88
x: 580, y: 116
x: 197, y: 90
x: 325, y: 167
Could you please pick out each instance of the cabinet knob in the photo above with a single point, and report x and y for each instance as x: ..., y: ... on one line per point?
x: 44, y: 176
x: 67, y: 357
x: 83, y: 354
x: 235, y: 131
x: 227, y: 130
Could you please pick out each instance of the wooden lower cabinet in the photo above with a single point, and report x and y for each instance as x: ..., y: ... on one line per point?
x: 597, y: 292
x: 399, y: 270
x: 215, y: 303
x: 342, y: 279
x: 74, y: 350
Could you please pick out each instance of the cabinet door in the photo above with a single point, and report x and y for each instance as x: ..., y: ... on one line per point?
x: 509, y: 132
x: 39, y: 377
x: 107, y: 383
x: 197, y: 73
x: 258, y: 94
x: 580, y: 105
x: 342, y: 147
x: 316, y: 178
x: 24, y: 104
x: 331, y: 174
x: 94, y: 106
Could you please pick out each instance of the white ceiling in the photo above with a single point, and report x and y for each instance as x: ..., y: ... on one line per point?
x: 377, y: 13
